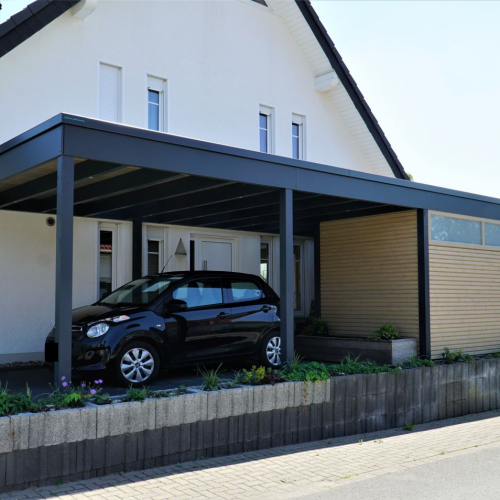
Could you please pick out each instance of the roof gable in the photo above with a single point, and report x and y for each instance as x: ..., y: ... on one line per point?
x: 310, y: 35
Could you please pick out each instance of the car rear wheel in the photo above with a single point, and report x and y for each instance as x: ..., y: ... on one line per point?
x: 271, y: 351
x: 137, y: 364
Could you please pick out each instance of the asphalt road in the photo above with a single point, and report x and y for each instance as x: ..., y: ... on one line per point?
x: 474, y: 475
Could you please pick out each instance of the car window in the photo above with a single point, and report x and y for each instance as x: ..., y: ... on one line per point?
x: 199, y: 293
x: 242, y: 291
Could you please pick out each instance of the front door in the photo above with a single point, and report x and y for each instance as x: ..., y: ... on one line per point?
x: 203, y: 330
x: 216, y: 254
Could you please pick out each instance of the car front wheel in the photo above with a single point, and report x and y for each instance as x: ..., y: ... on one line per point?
x: 271, y: 351
x: 137, y: 364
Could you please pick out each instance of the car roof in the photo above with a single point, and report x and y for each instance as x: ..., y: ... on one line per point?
x: 188, y: 274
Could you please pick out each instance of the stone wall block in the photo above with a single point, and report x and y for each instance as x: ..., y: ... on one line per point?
x: 372, y: 386
x: 103, y: 420
x: 20, y: 428
x: 338, y: 388
x: 268, y: 395
x: 381, y: 379
x: 240, y: 402
x: 37, y: 429
x: 119, y: 419
x: 6, y: 435
x: 195, y: 407
x: 303, y: 393
x: 320, y: 391
x: 284, y: 395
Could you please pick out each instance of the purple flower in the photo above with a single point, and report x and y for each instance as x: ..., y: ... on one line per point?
x: 100, y: 381
x: 92, y: 391
x: 83, y: 386
x: 63, y: 378
x: 65, y: 384
x: 96, y: 382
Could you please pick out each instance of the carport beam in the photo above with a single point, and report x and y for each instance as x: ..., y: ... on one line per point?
x: 286, y: 274
x: 64, y: 266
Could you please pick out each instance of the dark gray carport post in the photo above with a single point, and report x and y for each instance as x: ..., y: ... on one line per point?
x: 136, y: 249
x: 64, y: 265
x: 286, y: 274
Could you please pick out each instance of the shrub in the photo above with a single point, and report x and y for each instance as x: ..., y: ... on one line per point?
x: 211, y: 379
x: 352, y: 366
x: 316, y: 328
x: 68, y: 395
x: 305, y: 372
x: 385, y: 332
x: 450, y: 357
x: 416, y: 362
x: 135, y: 394
x: 408, y: 427
x: 258, y: 376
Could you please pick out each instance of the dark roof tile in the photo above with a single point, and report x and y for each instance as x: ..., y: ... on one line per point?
x: 6, y: 27
x: 21, y: 16
x: 37, y: 5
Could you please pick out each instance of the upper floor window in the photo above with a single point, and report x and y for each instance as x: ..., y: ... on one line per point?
x: 298, y: 137
x: 156, y: 103
x: 110, y: 90
x: 266, y: 139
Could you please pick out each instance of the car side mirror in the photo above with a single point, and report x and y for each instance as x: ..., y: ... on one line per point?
x: 176, y: 305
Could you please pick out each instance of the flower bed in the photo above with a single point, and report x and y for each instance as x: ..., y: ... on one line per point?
x: 42, y: 448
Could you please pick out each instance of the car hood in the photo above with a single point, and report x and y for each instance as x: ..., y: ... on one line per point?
x: 89, y: 314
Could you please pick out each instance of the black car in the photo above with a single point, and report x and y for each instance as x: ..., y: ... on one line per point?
x: 175, y: 319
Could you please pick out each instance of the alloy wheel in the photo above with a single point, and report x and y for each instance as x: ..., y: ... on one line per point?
x: 273, y: 351
x: 137, y: 365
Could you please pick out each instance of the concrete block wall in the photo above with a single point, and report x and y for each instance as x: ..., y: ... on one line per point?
x: 39, y: 449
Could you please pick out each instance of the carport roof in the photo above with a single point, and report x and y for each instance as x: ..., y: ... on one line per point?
x: 127, y: 173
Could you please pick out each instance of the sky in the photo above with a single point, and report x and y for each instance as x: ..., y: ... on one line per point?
x: 430, y: 72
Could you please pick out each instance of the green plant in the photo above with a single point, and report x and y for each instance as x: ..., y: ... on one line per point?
x: 294, y: 363
x: 450, y: 357
x: 496, y: 355
x: 305, y: 372
x: 254, y: 376
x: 351, y: 366
x: 211, y: 379
x: 416, y: 362
x: 385, y: 332
x: 102, y: 399
x: 317, y: 327
x: 135, y: 394
x: 408, y: 427
x: 12, y: 404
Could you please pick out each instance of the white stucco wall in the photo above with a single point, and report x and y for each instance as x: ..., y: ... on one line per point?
x: 222, y: 59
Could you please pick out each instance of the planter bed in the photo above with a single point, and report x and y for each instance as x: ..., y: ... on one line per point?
x: 335, y: 349
x: 42, y: 448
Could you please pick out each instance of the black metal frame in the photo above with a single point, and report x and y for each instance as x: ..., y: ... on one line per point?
x: 424, y: 319
x: 208, y: 185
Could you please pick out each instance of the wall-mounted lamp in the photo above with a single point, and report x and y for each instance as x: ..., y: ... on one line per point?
x: 181, y: 249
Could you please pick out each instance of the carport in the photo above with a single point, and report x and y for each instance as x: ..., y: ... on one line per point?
x: 74, y: 166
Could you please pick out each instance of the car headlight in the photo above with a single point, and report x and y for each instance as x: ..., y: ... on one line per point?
x: 97, y: 330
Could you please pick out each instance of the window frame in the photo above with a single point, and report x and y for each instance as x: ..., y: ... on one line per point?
x: 268, y: 111
x: 300, y: 121
x: 157, y: 84
x: 455, y: 244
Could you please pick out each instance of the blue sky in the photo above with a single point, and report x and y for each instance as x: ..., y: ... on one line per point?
x: 430, y: 72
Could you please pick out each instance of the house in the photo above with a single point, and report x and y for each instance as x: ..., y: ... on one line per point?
x: 219, y: 135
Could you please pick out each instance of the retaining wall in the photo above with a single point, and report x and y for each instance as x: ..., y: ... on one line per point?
x: 38, y: 449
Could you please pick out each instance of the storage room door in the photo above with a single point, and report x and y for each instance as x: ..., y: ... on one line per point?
x: 216, y: 255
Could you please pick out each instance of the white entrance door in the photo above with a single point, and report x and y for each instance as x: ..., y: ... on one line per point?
x: 216, y: 255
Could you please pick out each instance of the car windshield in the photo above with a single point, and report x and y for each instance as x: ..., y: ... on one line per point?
x: 140, y: 292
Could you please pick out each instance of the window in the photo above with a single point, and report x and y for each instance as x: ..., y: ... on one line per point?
x: 110, y: 87
x: 243, y: 291
x: 297, y: 278
x: 492, y: 234
x: 200, y: 293
x: 156, y: 103
x: 265, y: 261
x: 266, y: 130
x: 455, y: 230
x: 154, y: 256
x: 105, y: 263
x: 298, y: 149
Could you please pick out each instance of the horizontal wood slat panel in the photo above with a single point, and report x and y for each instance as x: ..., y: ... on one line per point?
x: 465, y: 298
x: 369, y: 274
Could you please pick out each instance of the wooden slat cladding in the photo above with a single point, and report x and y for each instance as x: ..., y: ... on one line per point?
x: 369, y: 274
x: 465, y: 298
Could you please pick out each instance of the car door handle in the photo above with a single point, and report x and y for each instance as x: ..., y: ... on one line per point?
x: 222, y: 315
x: 266, y: 309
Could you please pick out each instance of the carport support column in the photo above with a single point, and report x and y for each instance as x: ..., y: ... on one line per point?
x: 423, y: 283
x: 64, y: 265
x: 136, y: 249
x: 286, y: 274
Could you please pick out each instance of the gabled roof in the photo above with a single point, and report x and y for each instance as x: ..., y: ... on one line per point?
x: 40, y: 13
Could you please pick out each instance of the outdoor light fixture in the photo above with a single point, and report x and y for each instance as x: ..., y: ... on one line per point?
x: 50, y: 221
x: 181, y: 249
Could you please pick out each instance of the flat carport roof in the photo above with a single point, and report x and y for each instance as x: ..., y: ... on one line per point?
x: 76, y: 166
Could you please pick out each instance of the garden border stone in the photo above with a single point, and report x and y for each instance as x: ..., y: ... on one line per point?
x: 97, y: 440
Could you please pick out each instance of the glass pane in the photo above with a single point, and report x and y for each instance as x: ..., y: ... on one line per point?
x: 105, y: 263
x: 153, y: 246
x: 200, y: 293
x: 455, y: 230
x: 492, y: 234
x: 295, y: 147
x: 295, y: 130
x: 264, y: 271
x: 153, y: 263
x: 263, y: 141
x: 154, y: 96
x: 296, y: 252
x: 264, y: 251
x: 153, y: 117
x: 263, y: 121
x: 245, y: 290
